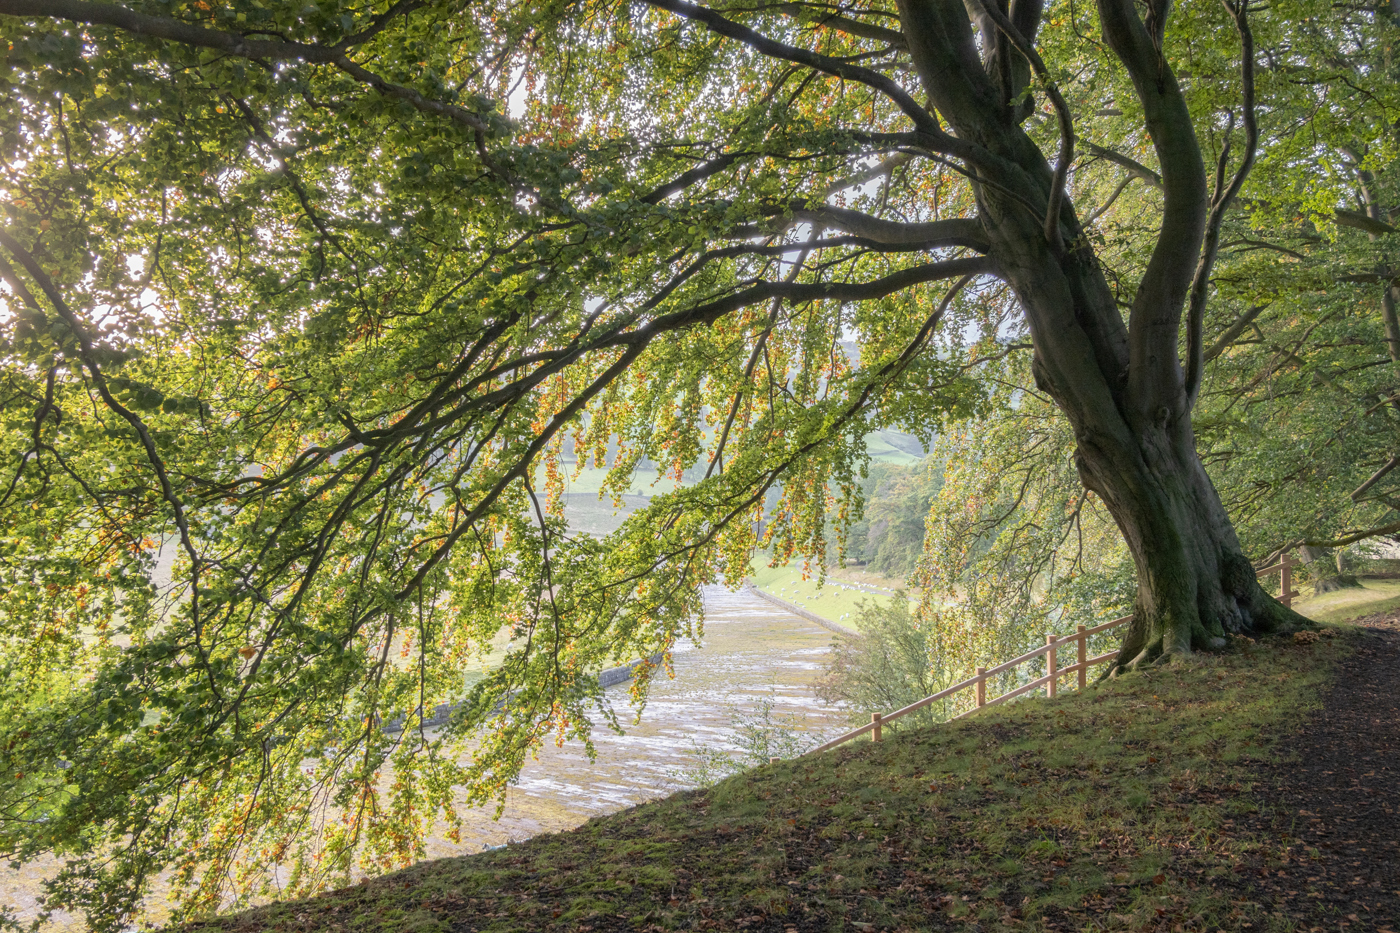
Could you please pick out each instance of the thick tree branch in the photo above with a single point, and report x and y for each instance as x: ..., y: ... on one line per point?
x: 173, y: 30
x: 1232, y: 333
x: 1132, y: 165
x: 1371, y: 278
x: 686, y: 179
x: 805, y: 291
x: 879, y: 170
x: 1375, y: 478
x: 231, y: 43
x: 1342, y: 217
x: 1359, y: 221
x: 1350, y: 537
x: 1155, y: 380
x: 930, y: 234
x: 1063, y: 117
x: 923, y: 121
x: 845, y: 24
x: 945, y: 56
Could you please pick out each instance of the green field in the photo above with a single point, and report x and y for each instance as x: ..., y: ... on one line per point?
x: 838, y: 600
x: 1345, y: 605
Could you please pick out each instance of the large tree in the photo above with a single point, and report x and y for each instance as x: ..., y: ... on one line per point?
x: 1297, y: 420
x: 307, y: 304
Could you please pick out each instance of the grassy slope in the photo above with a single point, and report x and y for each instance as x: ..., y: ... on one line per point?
x: 893, y: 447
x: 1345, y: 605
x: 1112, y: 807
x: 837, y: 600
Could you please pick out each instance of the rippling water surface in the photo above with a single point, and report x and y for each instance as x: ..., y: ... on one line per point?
x: 752, y: 652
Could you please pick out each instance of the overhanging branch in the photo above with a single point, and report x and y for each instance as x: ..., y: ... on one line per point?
x: 923, y: 121
x: 1375, y: 478
x: 1136, y: 168
x: 847, y: 25
x: 1063, y: 117
x: 1359, y: 221
x: 930, y: 235
x: 239, y: 46
x: 805, y: 291
x: 686, y: 179
x: 1343, y: 540
x: 1232, y: 333
x: 633, y: 342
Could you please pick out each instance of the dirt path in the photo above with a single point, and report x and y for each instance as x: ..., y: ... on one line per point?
x: 1335, y: 796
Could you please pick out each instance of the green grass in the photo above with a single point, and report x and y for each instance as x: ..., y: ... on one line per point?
x: 839, y: 604
x: 1110, y: 809
x: 1352, y: 603
x: 893, y: 447
x: 837, y: 601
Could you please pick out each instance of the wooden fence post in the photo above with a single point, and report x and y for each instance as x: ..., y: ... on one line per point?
x: 1083, y: 657
x: 1286, y: 579
x: 981, y: 686
x: 875, y: 734
x: 1050, y: 666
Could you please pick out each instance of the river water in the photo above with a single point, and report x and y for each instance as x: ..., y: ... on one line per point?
x: 753, y: 654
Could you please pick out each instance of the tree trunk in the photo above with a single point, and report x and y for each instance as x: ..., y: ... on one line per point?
x: 1120, y: 383
x: 1137, y: 451
x: 1195, y: 585
x: 1326, y: 570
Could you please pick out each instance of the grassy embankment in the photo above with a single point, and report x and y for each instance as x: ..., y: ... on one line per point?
x: 1352, y: 603
x: 838, y: 599
x: 1114, y: 808
x: 844, y: 589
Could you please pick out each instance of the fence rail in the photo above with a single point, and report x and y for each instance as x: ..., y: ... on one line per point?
x: 1051, y: 650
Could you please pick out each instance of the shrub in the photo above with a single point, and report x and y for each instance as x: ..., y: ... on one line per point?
x: 759, y: 737
x: 888, y: 665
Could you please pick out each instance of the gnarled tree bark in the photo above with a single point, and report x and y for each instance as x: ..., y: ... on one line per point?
x: 1123, y: 388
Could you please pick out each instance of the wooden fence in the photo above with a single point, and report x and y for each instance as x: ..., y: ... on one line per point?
x: 1053, y: 671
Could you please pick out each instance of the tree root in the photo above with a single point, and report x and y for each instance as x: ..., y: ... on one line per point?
x: 1276, y: 618
x: 1341, y: 581
x: 1269, y: 617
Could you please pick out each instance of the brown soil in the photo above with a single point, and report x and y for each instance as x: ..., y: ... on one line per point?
x: 1332, y: 799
